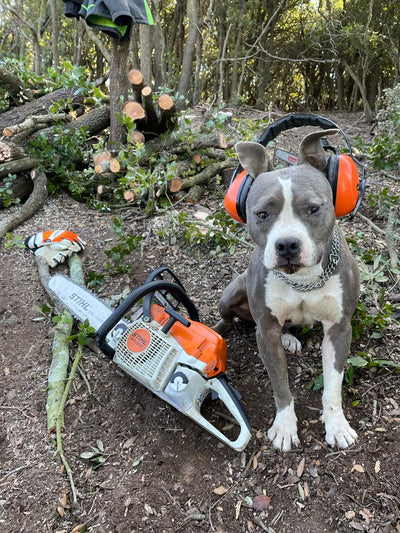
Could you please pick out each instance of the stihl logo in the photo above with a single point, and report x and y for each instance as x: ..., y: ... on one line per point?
x: 80, y: 301
x: 138, y: 340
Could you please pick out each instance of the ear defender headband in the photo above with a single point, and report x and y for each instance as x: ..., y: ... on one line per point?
x: 341, y: 170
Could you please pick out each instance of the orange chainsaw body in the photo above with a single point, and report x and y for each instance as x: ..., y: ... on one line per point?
x: 198, y: 340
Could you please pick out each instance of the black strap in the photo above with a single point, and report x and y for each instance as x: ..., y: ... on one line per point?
x: 297, y: 120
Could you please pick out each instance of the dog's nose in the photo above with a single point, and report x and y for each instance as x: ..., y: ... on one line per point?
x: 288, y: 247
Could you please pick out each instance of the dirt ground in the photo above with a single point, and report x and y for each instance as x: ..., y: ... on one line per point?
x: 162, y: 472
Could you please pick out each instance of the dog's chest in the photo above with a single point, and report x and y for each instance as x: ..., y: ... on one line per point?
x: 288, y: 305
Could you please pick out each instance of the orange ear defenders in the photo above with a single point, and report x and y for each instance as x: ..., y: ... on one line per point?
x: 341, y: 170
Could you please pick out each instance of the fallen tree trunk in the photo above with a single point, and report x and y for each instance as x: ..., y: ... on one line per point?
x: 40, y: 106
x: 95, y: 121
x: 13, y: 85
x: 31, y: 123
x: 19, y: 165
x: 10, y: 151
x: 30, y: 207
x: 175, y: 145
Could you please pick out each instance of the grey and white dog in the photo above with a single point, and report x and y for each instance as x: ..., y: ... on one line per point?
x: 300, y: 272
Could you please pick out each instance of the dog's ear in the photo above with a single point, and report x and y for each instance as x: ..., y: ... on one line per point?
x: 253, y: 157
x: 311, y: 150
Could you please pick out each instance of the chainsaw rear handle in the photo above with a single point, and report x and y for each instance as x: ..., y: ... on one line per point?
x: 228, y: 397
x: 158, y: 285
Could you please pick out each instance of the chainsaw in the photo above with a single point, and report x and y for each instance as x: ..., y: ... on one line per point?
x: 179, y: 359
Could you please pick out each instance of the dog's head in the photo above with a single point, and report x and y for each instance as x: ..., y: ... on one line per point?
x: 290, y: 212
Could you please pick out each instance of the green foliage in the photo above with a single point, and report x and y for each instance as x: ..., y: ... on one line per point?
x: 57, y: 158
x: 6, y: 191
x: 97, y: 455
x: 219, y: 232
x: 385, y: 150
x: 126, y: 244
x: 14, y: 241
x: 85, y: 330
x: 382, y: 202
x: 365, y: 361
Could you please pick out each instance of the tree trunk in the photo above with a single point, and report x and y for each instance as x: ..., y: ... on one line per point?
x: 54, y: 35
x: 146, y: 52
x: 187, y: 62
x: 118, y: 90
x: 159, y: 47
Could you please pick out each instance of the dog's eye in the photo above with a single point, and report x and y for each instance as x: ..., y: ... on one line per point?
x: 313, y: 209
x: 262, y: 215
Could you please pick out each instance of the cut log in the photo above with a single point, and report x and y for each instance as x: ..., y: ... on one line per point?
x: 136, y: 79
x: 129, y: 195
x: 10, y: 151
x: 167, y: 110
x: 32, y: 122
x: 165, y: 102
x: 19, y: 165
x: 117, y: 166
x: 134, y: 110
x: 20, y: 188
x: 197, y: 158
x: 103, y: 166
x: 136, y: 137
x: 175, y: 185
x: 41, y: 106
x: 195, y: 193
x: 30, y: 207
x: 153, y: 123
x: 100, y: 157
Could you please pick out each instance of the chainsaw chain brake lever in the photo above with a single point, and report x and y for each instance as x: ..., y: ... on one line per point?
x: 151, y: 288
x: 162, y: 297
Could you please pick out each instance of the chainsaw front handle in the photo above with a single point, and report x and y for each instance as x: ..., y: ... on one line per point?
x: 148, y: 288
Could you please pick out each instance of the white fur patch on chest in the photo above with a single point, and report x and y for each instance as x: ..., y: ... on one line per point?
x: 320, y: 305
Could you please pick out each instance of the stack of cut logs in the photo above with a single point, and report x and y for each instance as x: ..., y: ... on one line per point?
x: 150, y: 120
x: 152, y: 117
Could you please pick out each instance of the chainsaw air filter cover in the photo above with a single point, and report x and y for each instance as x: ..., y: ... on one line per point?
x: 148, y: 354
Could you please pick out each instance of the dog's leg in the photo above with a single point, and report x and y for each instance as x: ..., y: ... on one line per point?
x: 335, y: 350
x: 233, y: 303
x: 283, y: 433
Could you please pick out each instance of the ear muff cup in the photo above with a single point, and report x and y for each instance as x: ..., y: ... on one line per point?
x: 236, y: 195
x: 342, y: 174
x: 342, y: 171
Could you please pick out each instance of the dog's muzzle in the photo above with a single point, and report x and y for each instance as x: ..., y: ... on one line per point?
x: 287, y: 251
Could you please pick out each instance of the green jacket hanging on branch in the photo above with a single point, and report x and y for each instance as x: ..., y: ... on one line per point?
x: 114, y: 17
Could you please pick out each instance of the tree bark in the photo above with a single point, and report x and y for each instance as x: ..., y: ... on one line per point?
x: 13, y: 85
x: 40, y: 106
x: 95, y: 121
x: 187, y: 62
x: 30, y: 207
x: 118, y: 90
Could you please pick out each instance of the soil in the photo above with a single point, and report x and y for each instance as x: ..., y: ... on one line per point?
x: 162, y: 472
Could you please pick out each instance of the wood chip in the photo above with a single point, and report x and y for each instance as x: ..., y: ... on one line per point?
x: 220, y: 490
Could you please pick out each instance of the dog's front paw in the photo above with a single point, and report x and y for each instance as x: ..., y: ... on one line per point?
x: 290, y: 343
x: 283, y: 432
x: 338, y: 431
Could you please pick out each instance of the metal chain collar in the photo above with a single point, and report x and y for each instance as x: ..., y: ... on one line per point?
x: 330, y: 268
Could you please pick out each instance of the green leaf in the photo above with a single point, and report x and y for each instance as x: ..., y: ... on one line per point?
x: 357, y: 361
